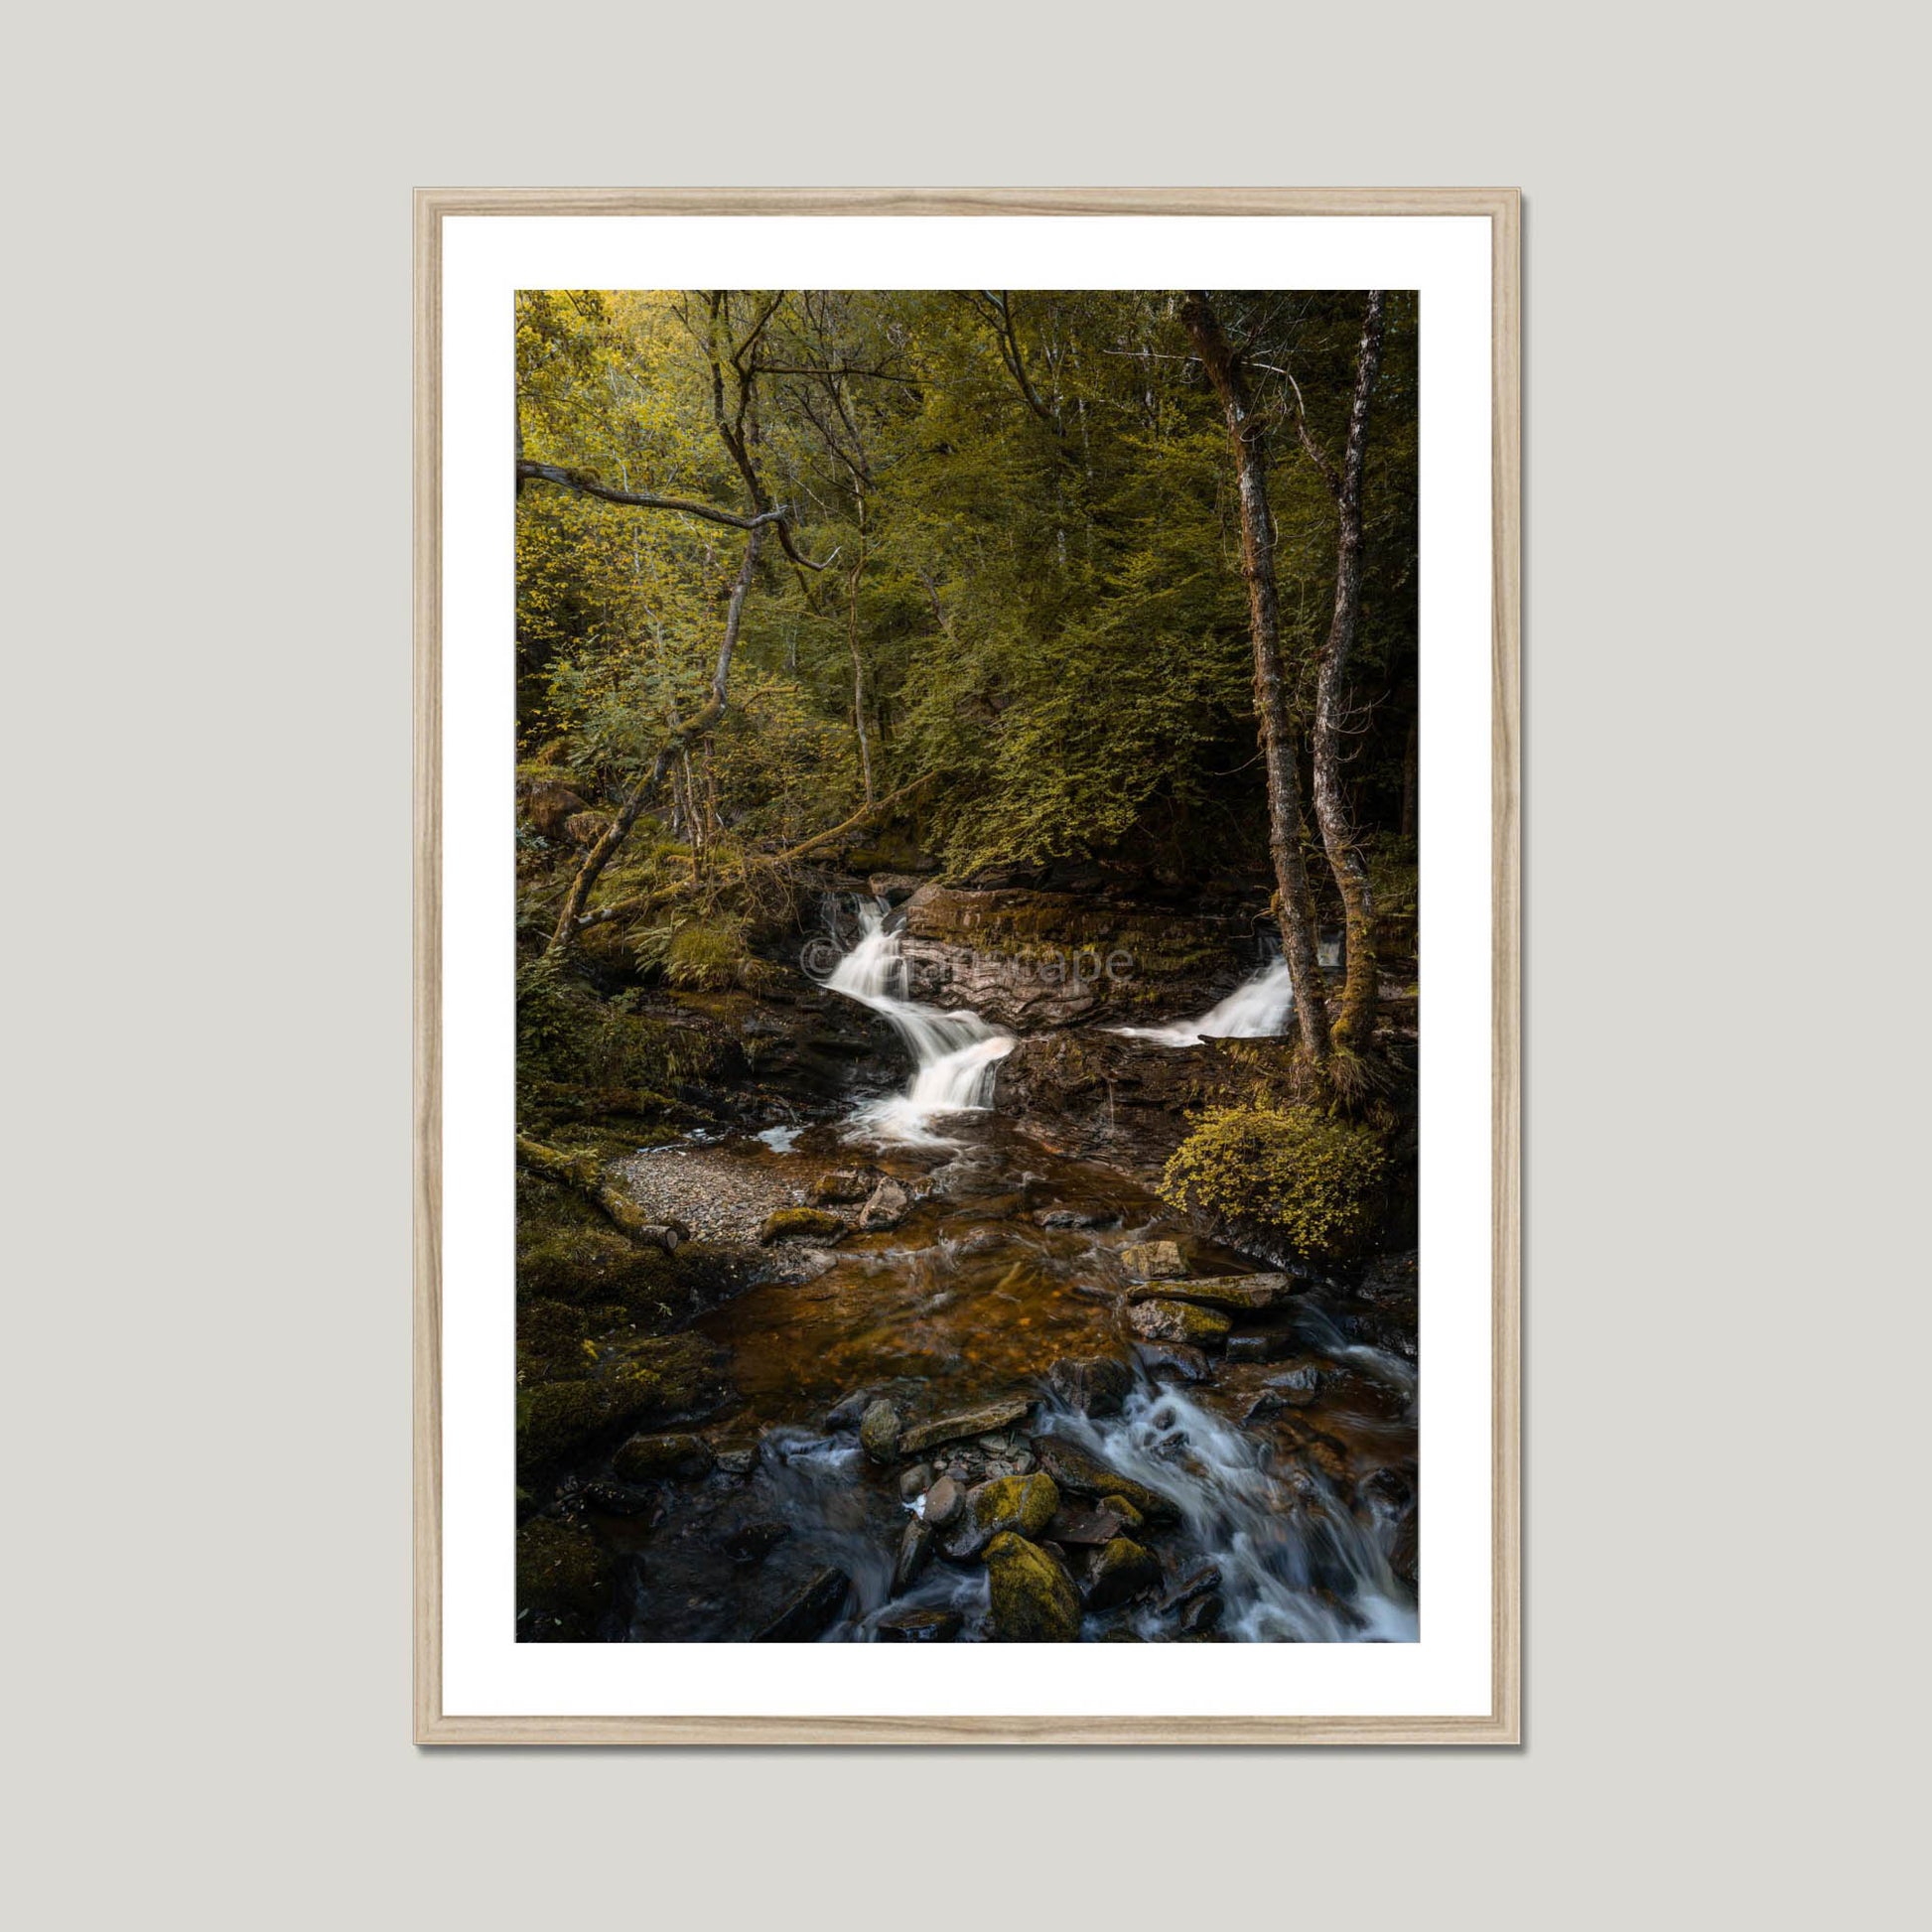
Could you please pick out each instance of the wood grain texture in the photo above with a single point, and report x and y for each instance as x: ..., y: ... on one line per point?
x: 1503, y: 1723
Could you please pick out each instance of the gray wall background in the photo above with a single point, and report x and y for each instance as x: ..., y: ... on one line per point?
x: 207, y: 351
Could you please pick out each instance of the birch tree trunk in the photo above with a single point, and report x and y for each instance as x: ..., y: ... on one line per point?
x: 1248, y: 435
x: 1356, y: 1023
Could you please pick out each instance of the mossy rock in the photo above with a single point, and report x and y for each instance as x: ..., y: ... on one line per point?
x: 878, y: 1431
x: 651, y: 1381
x: 592, y: 1265
x: 1022, y: 1504
x: 1120, y: 1570
x: 1082, y: 1475
x: 789, y: 1223
x: 552, y: 1342
x: 1180, y: 1322
x: 1032, y: 1598
x: 560, y: 1573
x: 652, y: 1458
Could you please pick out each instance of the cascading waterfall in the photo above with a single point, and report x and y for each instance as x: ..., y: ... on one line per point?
x: 1251, y: 1012
x: 953, y: 1053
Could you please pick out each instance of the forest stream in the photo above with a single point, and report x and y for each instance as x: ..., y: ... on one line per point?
x: 968, y: 965
x: 1003, y: 1317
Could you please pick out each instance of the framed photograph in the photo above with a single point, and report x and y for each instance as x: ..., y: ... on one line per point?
x: 967, y: 966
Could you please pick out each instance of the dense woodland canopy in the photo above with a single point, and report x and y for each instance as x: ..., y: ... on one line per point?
x: 988, y: 552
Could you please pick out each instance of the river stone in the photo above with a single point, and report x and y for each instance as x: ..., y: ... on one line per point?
x: 965, y: 1426
x: 1175, y: 1358
x: 647, y: 1457
x: 844, y: 1185
x: 1239, y: 1294
x: 878, y: 1431
x: 945, y: 1501
x: 1082, y: 1214
x: 1093, y: 1524
x: 1179, y: 1322
x: 1204, y: 1576
x: 1149, y: 1260
x: 1096, y: 1385
x: 846, y: 1412
x: 811, y: 1610
x: 915, y: 1551
x: 1073, y: 1470
x: 1200, y: 1613
x: 918, y: 1626
x: 1259, y: 1347
x: 1121, y: 1569
x: 813, y: 1222
x: 1033, y: 1599
x: 885, y: 1208
x: 915, y: 1481
x: 1022, y: 1503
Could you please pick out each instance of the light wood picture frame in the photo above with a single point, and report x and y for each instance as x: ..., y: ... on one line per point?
x: 1501, y: 1723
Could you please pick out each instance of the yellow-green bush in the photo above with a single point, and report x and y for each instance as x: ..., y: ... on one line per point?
x: 1289, y: 1170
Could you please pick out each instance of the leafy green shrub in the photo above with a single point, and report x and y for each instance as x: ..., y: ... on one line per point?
x: 1289, y: 1170
x: 712, y: 956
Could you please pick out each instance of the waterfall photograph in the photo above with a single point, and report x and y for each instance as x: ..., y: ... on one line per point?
x: 967, y: 979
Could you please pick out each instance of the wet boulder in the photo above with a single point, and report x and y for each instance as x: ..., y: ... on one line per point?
x: 915, y: 1551
x: 647, y: 1459
x: 844, y: 1185
x: 1149, y: 1260
x: 885, y: 1208
x: 1096, y: 1385
x: 1120, y: 1570
x: 1032, y: 1598
x: 1172, y: 1358
x: 790, y: 1223
x: 878, y: 1431
x: 945, y: 1503
x: 1198, y: 1581
x: 1025, y: 1504
x: 918, y: 1626
x: 1077, y: 1214
x: 1179, y: 1322
x: 810, y: 1611
x: 1091, y: 1525
x: 1261, y: 1346
x: 1080, y: 1474
x: 1237, y: 1294
x: 964, y: 1424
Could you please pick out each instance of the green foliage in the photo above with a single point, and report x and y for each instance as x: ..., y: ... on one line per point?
x: 1292, y: 1171
x: 566, y: 1034
x: 1034, y: 600
x: 710, y: 956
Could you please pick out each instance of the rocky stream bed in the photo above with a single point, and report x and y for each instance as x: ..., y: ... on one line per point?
x: 976, y: 1382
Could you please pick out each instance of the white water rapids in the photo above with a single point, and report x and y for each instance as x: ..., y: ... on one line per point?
x: 953, y: 1053
x: 1251, y: 1012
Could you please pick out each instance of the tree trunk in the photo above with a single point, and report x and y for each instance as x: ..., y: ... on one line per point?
x: 858, y: 664
x: 645, y: 789
x: 1357, y: 1021
x: 1249, y: 436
